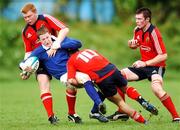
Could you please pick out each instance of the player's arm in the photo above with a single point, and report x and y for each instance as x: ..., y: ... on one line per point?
x: 133, y: 43
x: 26, y: 70
x: 159, y: 58
x: 160, y: 48
x: 27, y: 46
x: 28, y: 49
x: 59, y: 26
x: 71, y: 72
x: 71, y: 44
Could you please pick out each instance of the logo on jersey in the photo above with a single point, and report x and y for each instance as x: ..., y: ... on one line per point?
x: 145, y: 48
x: 147, y: 39
x: 154, y: 72
x: 29, y: 35
x: 138, y: 37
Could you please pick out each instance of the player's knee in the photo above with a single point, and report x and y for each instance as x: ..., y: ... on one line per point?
x: 82, y: 77
x: 123, y: 73
x: 156, y: 85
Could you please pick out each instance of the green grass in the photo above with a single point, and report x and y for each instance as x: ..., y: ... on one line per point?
x: 21, y: 108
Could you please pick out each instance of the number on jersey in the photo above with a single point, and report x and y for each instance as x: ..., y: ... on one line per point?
x: 87, y: 55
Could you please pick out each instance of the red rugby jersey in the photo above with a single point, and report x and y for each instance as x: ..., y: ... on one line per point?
x: 29, y: 35
x: 151, y: 44
x: 86, y: 61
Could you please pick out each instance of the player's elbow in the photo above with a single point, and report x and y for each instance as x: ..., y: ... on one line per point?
x: 165, y: 56
x: 66, y: 30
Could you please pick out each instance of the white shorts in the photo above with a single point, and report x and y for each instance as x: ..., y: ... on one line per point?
x: 80, y: 77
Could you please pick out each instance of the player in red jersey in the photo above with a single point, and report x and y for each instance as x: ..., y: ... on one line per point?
x: 30, y: 38
x: 151, y: 66
x: 106, y: 76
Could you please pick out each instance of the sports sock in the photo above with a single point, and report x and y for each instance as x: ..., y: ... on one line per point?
x: 47, y: 102
x: 132, y: 93
x: 138, y: 117
x: 95, y: 107
x: 91, y: 91
x: 167, y: 102
x: 71, y: 100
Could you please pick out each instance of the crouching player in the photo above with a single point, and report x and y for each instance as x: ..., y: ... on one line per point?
x: 105, y: 75
x: 54, y: 57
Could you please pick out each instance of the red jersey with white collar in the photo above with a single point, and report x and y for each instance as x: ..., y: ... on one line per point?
x: 89, y: 62
x: 151, y: 44
x: 29, y: 35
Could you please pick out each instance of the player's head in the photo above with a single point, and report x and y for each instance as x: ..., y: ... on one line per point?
x: 29, y: 13
x: 44, y: 36
x: 143, y: 16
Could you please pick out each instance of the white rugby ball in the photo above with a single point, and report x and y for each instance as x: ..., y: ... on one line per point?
x: 32, y: 62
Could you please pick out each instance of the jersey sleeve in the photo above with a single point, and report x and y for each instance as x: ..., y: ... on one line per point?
x: 54, y: 23
x: 71, y: 70
x: 158, y: 42
x: 27, y: 44
x: 69, y: 43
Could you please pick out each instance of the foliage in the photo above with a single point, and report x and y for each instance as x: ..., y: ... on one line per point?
x: 109, y: 39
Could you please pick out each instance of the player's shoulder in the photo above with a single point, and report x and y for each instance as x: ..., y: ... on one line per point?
x: 26, y: 29
x: 48, y: 17
x: 151, y: 28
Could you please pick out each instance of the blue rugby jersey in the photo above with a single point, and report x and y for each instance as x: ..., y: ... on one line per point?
x: 56, y: 65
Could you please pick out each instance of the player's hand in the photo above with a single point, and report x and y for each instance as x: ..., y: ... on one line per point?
x: 51, y: 52
x: 24, y: 75
x: 28, y: 69
x: 139, y: 64
x: 133, y: 44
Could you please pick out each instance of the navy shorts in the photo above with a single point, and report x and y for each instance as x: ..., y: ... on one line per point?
x: 42, y: 70
x: 147, y: 72
x: 109, y: 84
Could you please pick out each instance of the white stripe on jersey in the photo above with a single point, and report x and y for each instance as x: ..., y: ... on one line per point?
x: 58, y: 23
x: 156, y: 42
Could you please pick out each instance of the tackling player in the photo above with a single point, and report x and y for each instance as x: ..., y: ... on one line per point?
x: 56, y: 66
x: 106, y: 76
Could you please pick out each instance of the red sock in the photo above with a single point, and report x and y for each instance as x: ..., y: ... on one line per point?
x: 47, y: 102
x: 167, y: 102
x: 138, y: 117
x: 132, y: 93
x: 71, y: 99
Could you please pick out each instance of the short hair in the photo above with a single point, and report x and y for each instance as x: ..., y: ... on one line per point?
x: 145, y: 11
x: 28, y: 7
x: 42, y: 30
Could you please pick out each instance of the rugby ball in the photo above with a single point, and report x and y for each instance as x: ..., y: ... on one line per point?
x: 32, y: 62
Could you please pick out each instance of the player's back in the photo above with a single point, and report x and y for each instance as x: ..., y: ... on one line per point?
x: 88, y: 61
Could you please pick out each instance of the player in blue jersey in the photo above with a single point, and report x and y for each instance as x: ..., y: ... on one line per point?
x: 54, y: 57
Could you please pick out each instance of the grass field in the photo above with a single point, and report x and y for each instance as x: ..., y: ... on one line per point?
x: 21, y: 108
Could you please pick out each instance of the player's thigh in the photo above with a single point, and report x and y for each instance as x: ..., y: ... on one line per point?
x: 129, y: 75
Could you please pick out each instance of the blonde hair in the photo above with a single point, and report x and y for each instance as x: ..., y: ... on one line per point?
x: 28, y: 7
x: 42, y: 30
